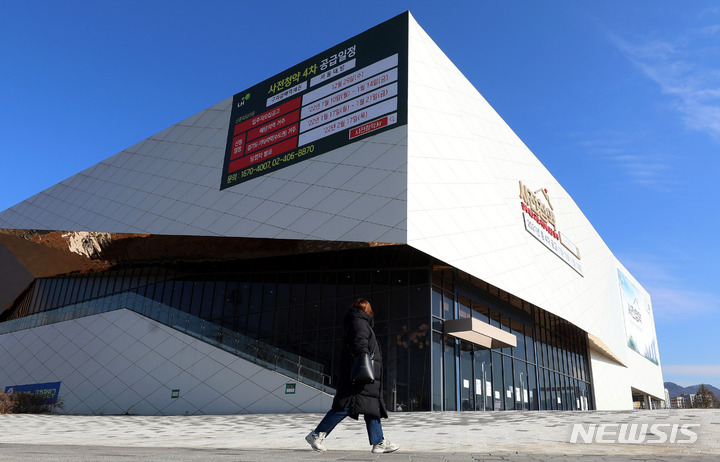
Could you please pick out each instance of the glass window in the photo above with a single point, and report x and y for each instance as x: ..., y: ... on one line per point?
x: 505, y: 325
x: 508, y: 389
x: 541, y: 389
x: 218, y: 302
x: 73, y: 285
x: 437, y: 305
x: 437, y: 364
x: 381, y: 295
x: 256, y: 293
x: 518, y: 330
x: 522, y: 391
x: 167, y: 292
x: 448, y: 306
x: 396, y: 371
x: 450, y: 383
x: 529, y: 344
x: 419, y: 362
x: 553, y: 396
x: 194, y: 291
x: 58, y: 291
x: 467, y: 382
x: 497, y: 379
x: 208, y: 287
x: 480, y: 311
x: 494, y: 318
x: 327, y: 304
x: 362, y: 285
x: 463, y: 307
x: 231, y: 294
x: 483, y: 375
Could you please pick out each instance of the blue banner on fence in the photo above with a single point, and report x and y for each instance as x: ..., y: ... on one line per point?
x: 49, y: 390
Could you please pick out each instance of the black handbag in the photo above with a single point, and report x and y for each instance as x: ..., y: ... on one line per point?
x: 363, y: 369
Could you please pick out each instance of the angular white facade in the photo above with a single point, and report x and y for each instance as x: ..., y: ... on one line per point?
x: 447, y: 184
x: 123, y: 363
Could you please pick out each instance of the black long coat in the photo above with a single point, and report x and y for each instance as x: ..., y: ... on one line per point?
x: 363, y: 399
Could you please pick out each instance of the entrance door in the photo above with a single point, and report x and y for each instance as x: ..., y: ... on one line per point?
x: 483, y: 379
x: 475, y: 378
x: 467, y: 383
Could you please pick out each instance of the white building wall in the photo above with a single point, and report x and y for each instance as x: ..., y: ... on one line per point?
x: 120, y: 361
x: 170, y: 184
x: 464, y: 207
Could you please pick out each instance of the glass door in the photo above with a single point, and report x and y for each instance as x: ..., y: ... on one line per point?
x: 483, y: 379
x: 467, y: 382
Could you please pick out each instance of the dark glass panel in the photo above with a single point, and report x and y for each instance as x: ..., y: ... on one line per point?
x: 467, y: 381
x: 328, y: 305
x: 448, y: 305
x: 497, y: 379
x: 518, y: 330
x: 167, y: 292
x: 480, y: 311
x: 463, y: 307
x: 505, y: 325
x: 229, y: 310
x: 313, y: 295
x: 397, y: 363
x: 281, y: 325
x: 345, y: 290
x: 522, y: 390
x: 450, y: 382
x: 59, y: 285
x: 437, y: 303
x: 363, y: 285
x: 530, y: 344
x: 437, y: 375
x: 71, y: 293
x: 177, y: 295
x: 419, y: 365
x: 541, y: 389
x: 508, y: 382
x: 218, y: 301
x: 399, y: 295
x: 196, y: 297
x: 555, y: 400
x: 494, y: 318
x: 206, y: 303
x: 381, y: 294
x: 256, y: 294
x: 532, y: 388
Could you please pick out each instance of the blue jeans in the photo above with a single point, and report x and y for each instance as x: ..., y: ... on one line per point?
x: 333, y: 417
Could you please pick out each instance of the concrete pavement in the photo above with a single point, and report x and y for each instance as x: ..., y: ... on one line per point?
x: 423, y: 437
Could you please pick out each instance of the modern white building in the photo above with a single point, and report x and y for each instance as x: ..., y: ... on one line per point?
x: 207, y: 268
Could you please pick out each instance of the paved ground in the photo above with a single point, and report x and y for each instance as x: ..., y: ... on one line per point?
x: 687, y: 435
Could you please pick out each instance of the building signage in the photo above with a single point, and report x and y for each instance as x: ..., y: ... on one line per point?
x: 49, y: 390
x: 539, y: 218
x: 639, y: 323
x: 344, y: 94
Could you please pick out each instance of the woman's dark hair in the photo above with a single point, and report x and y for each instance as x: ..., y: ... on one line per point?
x: 364, y: 306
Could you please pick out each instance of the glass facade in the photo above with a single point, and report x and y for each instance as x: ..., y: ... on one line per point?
x: 297, y: 304
x: 548, y: 369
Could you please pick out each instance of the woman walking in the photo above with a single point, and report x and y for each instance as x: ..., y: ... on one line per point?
x: 354, y: 399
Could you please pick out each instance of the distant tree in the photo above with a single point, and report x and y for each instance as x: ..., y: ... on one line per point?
x: 705, y: 399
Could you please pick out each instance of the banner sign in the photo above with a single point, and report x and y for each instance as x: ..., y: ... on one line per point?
x: 349, y: 92
x: 49, y: 390
x: 639, y: 323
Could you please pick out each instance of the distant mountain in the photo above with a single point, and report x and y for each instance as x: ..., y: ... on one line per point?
x: 676, y: 390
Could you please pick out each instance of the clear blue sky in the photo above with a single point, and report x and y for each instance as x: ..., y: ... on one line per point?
x: 620, y: 100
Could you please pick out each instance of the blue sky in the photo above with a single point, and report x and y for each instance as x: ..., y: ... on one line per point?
x: 620, y: 100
